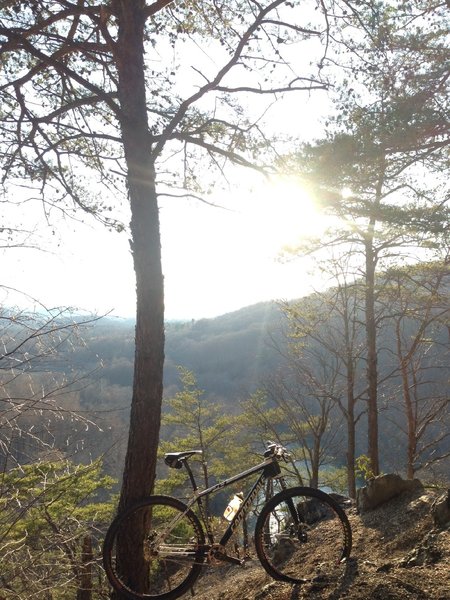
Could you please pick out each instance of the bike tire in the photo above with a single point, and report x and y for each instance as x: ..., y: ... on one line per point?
x: 301, y: 535
x: 139, y: 569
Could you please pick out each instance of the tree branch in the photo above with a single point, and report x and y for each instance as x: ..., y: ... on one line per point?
x: 60, y: 67
x: 184, y: 106
x: 156, y: 7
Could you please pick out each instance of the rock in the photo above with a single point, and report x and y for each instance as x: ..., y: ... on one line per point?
x: 283, y: 550
x: 427, y: 553
x: 312, y: 510
x: 441, y: 511
x: 382, y: 488
x: 343, y: 501
x: 424, y: 502
x: 385, y: 568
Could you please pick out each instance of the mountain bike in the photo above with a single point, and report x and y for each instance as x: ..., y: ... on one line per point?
x: 158, y: 547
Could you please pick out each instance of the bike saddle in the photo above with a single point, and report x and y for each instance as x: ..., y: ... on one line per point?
x: 175, y: 459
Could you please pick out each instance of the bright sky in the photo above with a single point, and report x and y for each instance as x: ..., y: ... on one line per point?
x: 215, y: 260
x: 220, y: 260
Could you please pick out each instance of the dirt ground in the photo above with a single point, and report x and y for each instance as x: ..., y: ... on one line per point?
x: 397, y: 555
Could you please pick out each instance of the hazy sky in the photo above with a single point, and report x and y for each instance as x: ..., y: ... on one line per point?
x: 215, y: 260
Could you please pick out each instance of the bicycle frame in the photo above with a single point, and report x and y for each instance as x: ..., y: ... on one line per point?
x: 269, y: 469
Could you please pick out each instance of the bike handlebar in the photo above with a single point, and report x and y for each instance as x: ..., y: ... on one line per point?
x: 277, y: 450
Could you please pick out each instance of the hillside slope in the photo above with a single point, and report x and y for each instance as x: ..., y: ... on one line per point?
x: 397, y: 555
x: 229, y: 354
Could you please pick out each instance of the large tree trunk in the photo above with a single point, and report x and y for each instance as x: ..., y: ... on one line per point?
x: 350, y: 408
x: 371, y: 323
x: 351, y: 439
x: 146, y: 249
x: 140, y: 462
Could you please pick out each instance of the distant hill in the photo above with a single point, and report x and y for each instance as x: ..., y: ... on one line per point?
x: 228, y: 354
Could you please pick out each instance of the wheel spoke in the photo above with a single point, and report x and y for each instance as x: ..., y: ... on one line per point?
x: 154, y: 550
x: 301, y: 535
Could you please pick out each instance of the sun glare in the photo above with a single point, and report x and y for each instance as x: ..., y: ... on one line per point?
x: 286, y: 213
x: 232, y: 253
x: 346, y: 193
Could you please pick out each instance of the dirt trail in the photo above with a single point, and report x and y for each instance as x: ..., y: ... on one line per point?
x: 397, y: 555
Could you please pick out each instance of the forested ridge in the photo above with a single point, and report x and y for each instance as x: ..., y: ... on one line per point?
x: 233, y: 358
x: 235, y: 355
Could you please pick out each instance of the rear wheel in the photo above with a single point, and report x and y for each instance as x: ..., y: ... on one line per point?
x: 155, y: 549
x: 302, y: 535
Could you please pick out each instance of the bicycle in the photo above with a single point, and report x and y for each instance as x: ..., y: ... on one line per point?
x: 301, y: 534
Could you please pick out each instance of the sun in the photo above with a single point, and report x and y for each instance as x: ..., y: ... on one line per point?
x: 284, y: 213
x: 228, y: 253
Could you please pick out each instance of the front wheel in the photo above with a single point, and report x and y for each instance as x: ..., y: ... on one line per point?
x: 154, y: 549
x: 301, y: 535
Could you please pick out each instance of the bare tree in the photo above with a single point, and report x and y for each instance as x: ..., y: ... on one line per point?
x: 418, y: 298
x: 325, y: 343
x: 38, y: 392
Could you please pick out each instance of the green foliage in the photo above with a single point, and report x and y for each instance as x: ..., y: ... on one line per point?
x: 387, y: 141
x: 192, y: 422
x: 268, y: 418
x: 335, y: 478
x: 48, y: 511
x: 363, y: 468
x: 262, y: 420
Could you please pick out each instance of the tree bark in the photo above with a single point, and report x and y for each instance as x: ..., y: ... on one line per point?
x: 371, y: 324
x: 146, y: 251
x: 350, y: 408
x: 351, y: 437
x: 315, y: 462
x: 372, y: 367
x: 140, y: 461
x: 412, y: 425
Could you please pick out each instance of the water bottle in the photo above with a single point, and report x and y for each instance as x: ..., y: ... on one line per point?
x: 233, y: 506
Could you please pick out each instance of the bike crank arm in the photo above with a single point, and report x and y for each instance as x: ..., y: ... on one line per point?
x: 216, y: 556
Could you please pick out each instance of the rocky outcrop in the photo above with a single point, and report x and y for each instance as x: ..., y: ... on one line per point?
x: 441, y: 511
x: 382, y: 488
